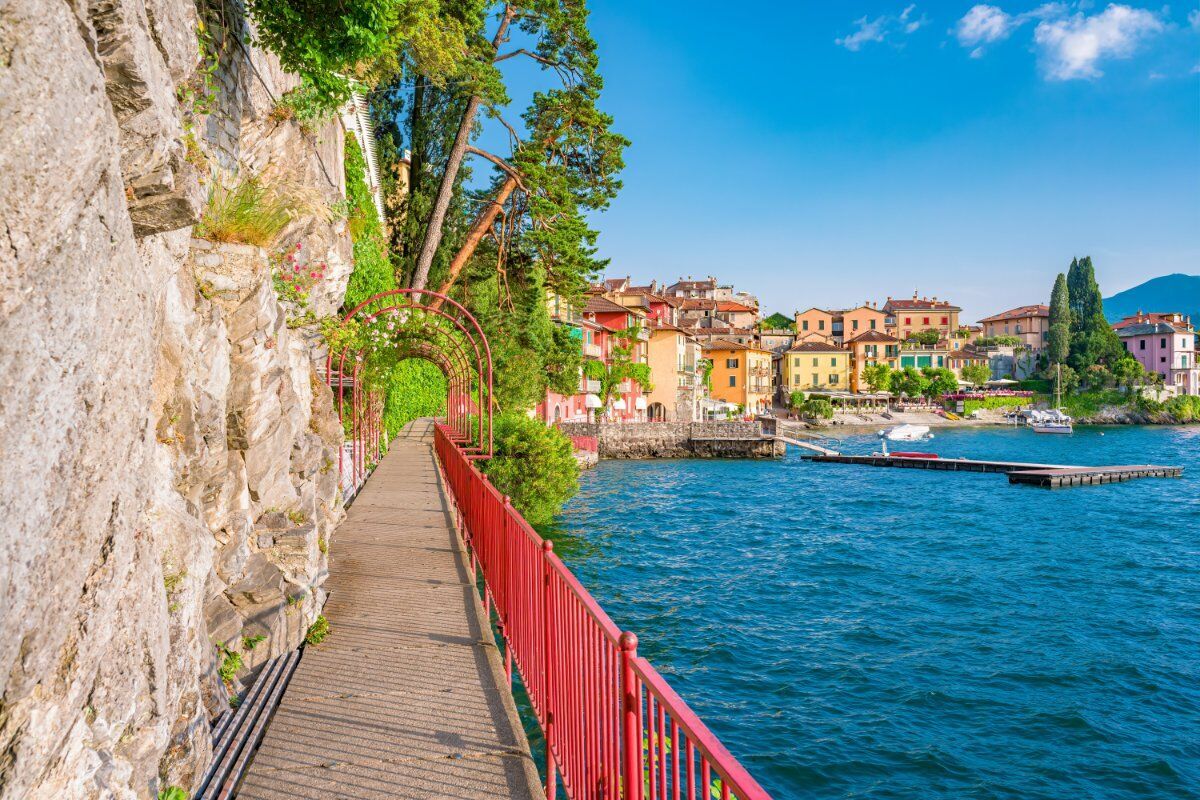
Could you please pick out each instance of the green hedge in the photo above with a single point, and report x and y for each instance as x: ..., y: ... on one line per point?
x: 416, y: 388
x: 970, y: 406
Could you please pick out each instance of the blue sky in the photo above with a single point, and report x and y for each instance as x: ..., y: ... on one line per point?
x: 827, y: 153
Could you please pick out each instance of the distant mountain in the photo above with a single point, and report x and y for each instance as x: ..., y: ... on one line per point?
x: 1176, y: 292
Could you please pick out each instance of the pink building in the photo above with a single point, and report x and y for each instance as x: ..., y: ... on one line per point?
x: 1166, y: 344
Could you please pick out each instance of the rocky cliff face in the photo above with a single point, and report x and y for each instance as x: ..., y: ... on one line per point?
x: 168, y: 478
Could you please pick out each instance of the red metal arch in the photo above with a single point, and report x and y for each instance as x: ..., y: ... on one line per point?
x: 449, y: 337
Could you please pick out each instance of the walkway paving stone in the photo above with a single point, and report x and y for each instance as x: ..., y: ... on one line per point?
x: 407, y: 697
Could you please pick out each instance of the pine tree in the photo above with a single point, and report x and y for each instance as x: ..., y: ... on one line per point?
x: 1060, y: 321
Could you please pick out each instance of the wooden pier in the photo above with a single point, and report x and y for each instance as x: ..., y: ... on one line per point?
x: 1045, y: 475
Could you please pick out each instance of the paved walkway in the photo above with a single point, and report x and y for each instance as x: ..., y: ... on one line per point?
x: 407, y: 697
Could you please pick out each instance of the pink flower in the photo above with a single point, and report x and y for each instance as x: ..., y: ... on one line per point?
x: 296, y: 268
x: 312, y: 274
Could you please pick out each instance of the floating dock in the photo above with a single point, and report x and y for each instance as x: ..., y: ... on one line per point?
x: 1046, y: 475
x: 816, y: 448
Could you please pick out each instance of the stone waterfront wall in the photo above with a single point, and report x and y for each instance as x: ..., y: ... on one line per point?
x: 167, y: 454
x: 724, y: 439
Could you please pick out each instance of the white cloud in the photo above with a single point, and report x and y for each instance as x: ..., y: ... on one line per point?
x: 878, y: 29
x: 1194, y: 19
x: 867, y: 32
x: 986, y: 24
x: 1071, y: 47
x: 983, y: 24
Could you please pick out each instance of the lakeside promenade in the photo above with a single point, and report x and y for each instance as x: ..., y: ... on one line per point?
x: 407, y: 697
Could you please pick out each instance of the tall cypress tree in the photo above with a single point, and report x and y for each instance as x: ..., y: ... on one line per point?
x: 1060, y: 321
x: 1075, y: 292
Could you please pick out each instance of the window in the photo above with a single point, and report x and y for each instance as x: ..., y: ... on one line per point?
x: 796, y: 362
x: 815, y: 361
x: 945, y: 320
x: 820, y: 324
x: 816, y: 379
x: 796, y: 379
x: 1162, y: 359
x: 833, y: 361
x: 854, y: 324
x: 925, y: 320
x: 1141, y: 344
x: 733, y: 380
x: 1018, y: 329
x: 1162, y: 342
x: 872, y: 324
x: 731, y: 363
x: 804, y: 325
x: 908, y: 320
x: 941, y: 361
x: 833, y: 380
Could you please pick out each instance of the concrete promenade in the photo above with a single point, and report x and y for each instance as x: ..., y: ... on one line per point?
x: 406, y: 698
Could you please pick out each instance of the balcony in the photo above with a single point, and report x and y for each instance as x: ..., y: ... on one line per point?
x: 760, y: 372
x: 624, y: 387
x: 589, y: 386
x: 591, y: 350
x: 643, y: 334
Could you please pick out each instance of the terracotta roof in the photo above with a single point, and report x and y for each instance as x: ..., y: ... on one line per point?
x: 816, y: 347
x: 919, y: 304
x: 814, y: 308
x: 1020, y: 312
x: 966, y: 354
x: 874, y: 336
x: 1138, y: 319
x: 602, y: 305
x: 726, y: 344
x: 730, y: 305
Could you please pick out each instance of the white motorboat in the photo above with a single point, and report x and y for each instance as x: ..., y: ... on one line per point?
x: 1053, y: 421
x: 907, y: 433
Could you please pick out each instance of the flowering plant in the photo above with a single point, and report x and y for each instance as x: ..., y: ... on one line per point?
x: 294, y: 276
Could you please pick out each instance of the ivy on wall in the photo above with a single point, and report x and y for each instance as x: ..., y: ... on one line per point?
x: 372, y: 271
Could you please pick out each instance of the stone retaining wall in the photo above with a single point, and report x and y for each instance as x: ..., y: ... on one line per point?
x: 733, y: 439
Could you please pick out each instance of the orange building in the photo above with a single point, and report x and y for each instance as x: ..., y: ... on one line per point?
x: 871, y: 347
x: 909, y: 316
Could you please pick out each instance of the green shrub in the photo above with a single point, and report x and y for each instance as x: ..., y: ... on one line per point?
x: 1086, y: 404
x: 1185, y: 407
x: 231, y: 664
x: 795, y: 400
x: 534, y: 465
x: 173, y: 793
x: 317, y: 631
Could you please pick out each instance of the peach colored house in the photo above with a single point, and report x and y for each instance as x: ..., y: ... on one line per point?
x: 862, y: 319
x: 871, y: 347
x: 1030, y: 324
x: 815, y: 322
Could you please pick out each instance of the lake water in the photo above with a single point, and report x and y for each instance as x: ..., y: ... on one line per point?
x: 883, y: 633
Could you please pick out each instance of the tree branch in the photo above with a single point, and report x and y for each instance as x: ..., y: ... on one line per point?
x: 501, y: 163
x: 523, y: 52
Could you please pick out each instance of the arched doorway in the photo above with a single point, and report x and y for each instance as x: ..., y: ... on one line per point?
x: 657, y: 412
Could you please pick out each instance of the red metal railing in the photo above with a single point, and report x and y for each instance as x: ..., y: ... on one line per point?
x: 613, y: 727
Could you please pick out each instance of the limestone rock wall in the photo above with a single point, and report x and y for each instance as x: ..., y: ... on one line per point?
x: 167, y: 451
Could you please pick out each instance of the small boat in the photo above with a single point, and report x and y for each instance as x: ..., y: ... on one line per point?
x: 1056, y: 420
x: 1052, y: 421
x: 914, y: 454
x: 907, y: 433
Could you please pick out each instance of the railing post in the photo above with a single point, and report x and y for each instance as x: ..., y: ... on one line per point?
x: 630, y: 702
x: 506, y: 593
x: 548, y: 655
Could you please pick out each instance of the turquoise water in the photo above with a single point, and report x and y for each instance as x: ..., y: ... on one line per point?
x: 855, y: 632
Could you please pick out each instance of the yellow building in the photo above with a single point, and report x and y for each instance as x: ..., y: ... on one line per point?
x: 741, y: 374
x: 871, y: 347
x: 816, y: 366
x: 673, y: 356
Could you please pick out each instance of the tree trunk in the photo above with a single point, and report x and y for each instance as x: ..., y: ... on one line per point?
x: 487, y: 216
x: 437, y: 217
